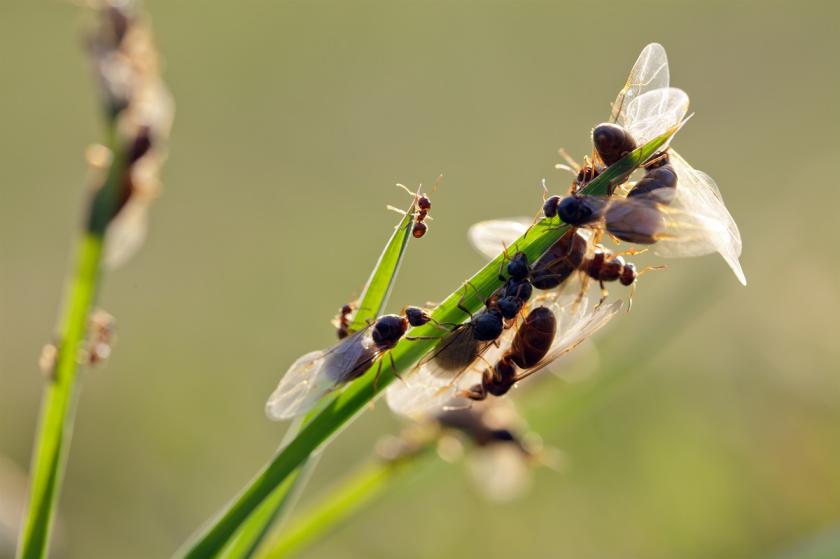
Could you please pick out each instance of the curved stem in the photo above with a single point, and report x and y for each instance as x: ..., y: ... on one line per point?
x: 351, y: 496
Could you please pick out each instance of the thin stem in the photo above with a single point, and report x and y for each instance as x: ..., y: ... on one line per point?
x: 351, y: 496
x: 58, y: 405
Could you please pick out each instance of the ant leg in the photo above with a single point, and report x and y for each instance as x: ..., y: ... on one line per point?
x: 376, y: 376
x: 574, y: 165
x: 415, y: 338
x: 393, y: 209
x: 443, y: 325
x: 653, y: 269
x: 502, y: 263
x: 604, y: 294
x: 630, y: 252
x: 582, y: 293
x: 540, y: 212
x: 408, y: 190
x: 461, y: 306
x: 632, y: 293
x: 394, y: 367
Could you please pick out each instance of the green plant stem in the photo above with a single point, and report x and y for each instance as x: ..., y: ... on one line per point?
x: 59, y: 402
x: 407, y: 352
x: 351, y: 496
x: 371, y: 305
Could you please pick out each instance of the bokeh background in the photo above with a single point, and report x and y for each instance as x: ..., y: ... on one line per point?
x: 712, y: 428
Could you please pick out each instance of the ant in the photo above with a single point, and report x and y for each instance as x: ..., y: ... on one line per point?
x: 423, y: 204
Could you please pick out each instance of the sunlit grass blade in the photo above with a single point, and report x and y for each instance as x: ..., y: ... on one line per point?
x: 407, y: 352
x: 371, y: 305
x: 378, y: 287
x: 351, y: 496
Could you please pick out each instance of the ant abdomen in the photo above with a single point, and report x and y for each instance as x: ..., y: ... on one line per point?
x: 612, y: 142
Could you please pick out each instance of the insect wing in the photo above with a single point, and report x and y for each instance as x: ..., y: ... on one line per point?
x: 500, y: 471
x: 490, y: 237
x: 697, y: 221
x: 432, y: 387
x: 654, y: 113
x: 314, y: 375
x: 126, y: 233
x: 649, y: 72
x: 575, y: 324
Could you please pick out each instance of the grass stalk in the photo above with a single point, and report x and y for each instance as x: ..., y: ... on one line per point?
x: 59, y: 401
x: 371, y: 305
x: 351, y: 496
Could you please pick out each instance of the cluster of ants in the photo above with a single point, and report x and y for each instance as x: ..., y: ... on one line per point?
x: 569, y: 255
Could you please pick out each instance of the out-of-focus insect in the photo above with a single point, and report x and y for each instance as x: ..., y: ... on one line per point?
x: 499, y: 449
x: 317, y: 373
x: 688, y: 219
x: 342, y: 321
x: 444, y: 378
x: 100, y: 337
x: 502, y: 452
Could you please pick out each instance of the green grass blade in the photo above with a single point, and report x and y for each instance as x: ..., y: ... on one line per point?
x: 407, y: 352
x: 372, y: 302
x: 258, y: 525
x: 58, y: 404
x: 350, y: 497
x: 378, y: 288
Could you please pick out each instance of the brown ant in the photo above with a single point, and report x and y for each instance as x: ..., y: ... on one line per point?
x: 423, y: 205
x: 532, y: 342
x: 343, y: 321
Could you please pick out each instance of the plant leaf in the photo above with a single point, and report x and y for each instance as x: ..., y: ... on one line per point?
x: 372, y: 302
x: 381, y: 281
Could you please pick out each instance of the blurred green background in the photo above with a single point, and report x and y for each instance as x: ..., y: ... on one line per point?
x: 722, y: 438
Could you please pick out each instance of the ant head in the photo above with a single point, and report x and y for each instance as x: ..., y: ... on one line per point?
x: 550, y: 206
x: 628, y: 274
x: 416, y: 316
x: 424, y: 203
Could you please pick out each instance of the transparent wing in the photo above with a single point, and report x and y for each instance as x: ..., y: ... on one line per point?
x: 653, y: 113
x: 576, y: 322
x: 649, y: 72
x: 126, y: 233
x: 432, y: 386
x: 501, y: 471
x: 315, y: 374
x: 489, y: 237
x: 697, y: 220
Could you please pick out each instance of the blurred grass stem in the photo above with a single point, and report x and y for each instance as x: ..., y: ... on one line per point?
x: 58, y: 405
